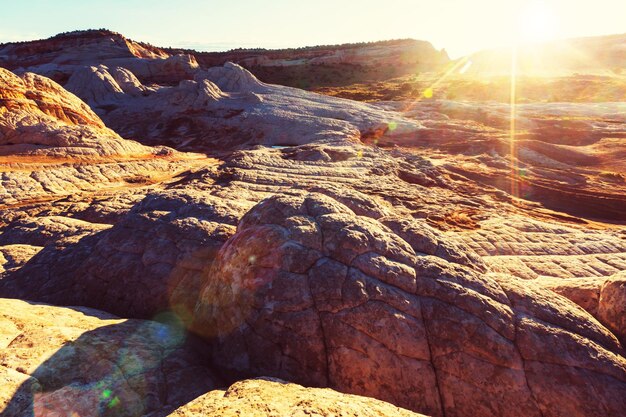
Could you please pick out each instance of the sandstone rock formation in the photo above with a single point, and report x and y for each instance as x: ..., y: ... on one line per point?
x: 145, y: 249
x: 138, y: 268
x: 568, y: 156
x: 309, y: 291
x: 14, y: 256
x: 60, y: 56
x: 146, y: 94
x: 78, y: 361
x: 40, y: 118
x: 52, y: 144
x: 204, y: 207
x: 268, y: 397
x: 406, y: 251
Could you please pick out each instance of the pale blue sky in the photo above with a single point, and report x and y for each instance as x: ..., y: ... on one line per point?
x: 461, y: 26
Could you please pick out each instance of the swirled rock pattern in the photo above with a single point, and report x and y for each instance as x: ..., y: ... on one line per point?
x: 400, y: 296
x: 41, y: 118
x: 226, y: 108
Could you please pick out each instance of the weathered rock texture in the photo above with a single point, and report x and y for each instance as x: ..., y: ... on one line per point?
x: 162, y: 247
x: 224, y: 108
x: 612, y: 305
x: 150, y: 261
x: 40, y: 118
x: 367, y: 257
x: 309, y: 291
x: 426, y: 275
x: 13, y: 256
x: 60, y: 361
x: 273, y: 397
x: 52, y: 145
x: 58, y: 56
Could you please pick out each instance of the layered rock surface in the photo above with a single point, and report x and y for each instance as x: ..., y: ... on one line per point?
x: 451, y: 267
x: 568, y: 156
x: 422, y: 275
x: 145, y: 93
x: 612, y: 304
x: 40, y: 118
x: 53, y: 145
x: 59, y: 56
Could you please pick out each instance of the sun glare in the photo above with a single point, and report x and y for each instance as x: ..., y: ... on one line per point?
x: 536, y: 22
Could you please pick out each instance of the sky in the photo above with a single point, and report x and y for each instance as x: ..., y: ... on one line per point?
x: 460, y: 26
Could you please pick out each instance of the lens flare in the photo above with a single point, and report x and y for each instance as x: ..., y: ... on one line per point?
x: 512, y: 127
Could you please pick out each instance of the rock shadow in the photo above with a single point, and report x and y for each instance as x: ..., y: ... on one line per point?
x: 131, y: 368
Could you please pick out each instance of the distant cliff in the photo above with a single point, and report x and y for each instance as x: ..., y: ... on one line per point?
x: 332, y: 65
x: 310, y: 67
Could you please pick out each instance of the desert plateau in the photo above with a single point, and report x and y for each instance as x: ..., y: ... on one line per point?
x: 375, y: 228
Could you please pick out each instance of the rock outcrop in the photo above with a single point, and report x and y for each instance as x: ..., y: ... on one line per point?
x: 268, y: 397
x: 358, y: 263
x: 308, y: 291
x: 158, y: 269
x: 60, y: 56
x: 204, y: 207
x: 40, y: 118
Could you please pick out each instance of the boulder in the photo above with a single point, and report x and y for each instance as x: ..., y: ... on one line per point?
x: 310, y: 292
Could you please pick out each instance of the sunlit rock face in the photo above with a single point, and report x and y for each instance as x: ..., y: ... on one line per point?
x: 160, y: 99
x: 161, y: 246
x: 53, y: 144
x: 40, y: 118
x: 79, y: 361
x: 307, y: 290
x: 270, y: 396
x: 567, y: 156
x: 60, y: 56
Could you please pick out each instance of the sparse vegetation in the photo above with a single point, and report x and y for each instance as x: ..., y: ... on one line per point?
x: 560, y: 89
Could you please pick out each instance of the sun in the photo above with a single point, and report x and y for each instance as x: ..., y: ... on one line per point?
x: 536, y: 22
